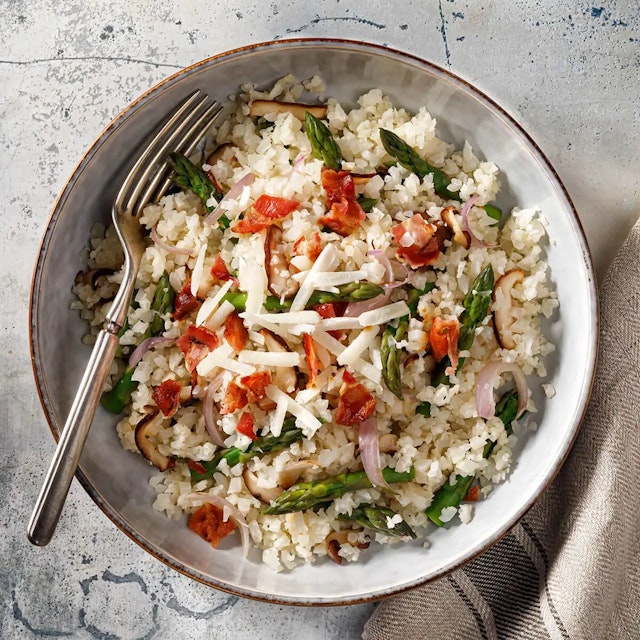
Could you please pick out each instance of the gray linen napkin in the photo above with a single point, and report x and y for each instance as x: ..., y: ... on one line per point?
x: 571, y: 568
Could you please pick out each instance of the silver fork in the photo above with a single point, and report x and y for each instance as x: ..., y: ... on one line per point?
x: 146, y: 182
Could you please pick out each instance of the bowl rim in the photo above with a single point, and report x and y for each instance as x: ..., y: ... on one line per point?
x: 35, y: 350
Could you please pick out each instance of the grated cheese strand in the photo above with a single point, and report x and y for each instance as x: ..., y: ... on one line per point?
x: 304, y: 418
x: 384, y: 314
x: 210, y: 304
x: 361, y: 343
x: 198, y: 270
x: 270, y: 358
x: 327, y: 261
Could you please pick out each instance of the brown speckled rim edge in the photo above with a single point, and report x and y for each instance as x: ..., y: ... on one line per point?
x: 377, y: 49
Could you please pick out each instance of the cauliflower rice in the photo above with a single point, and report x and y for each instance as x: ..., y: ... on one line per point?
x: 446, y: 444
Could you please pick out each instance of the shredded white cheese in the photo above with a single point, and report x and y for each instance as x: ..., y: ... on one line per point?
x: 220, y: 358
x: 270, y: 358
x: 278, y: 416
x: 362, y: 342
x: 264, y: 320
x: 324, y: 279
x: 252, y: 276
x: 327, y: 261
x: 336, y: 348
x: 384, y: 314
x: 335, y: 324
x: 198, y: 270
x: 295, y: 317
x: 221, y: 314
x: 304, y: 418
x: 210, y: 304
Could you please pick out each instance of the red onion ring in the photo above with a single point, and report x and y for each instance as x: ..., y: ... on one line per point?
x: 464, y: 212
x: 299, y: 161
x: 400, y: 269
x: 207, y: 409
x: 370, y: 452
x: 228, y: 511
x: 169, y: 248
x: 381, y: 257
x: 232, y: 194
x: 485, y: 384
x: 144, y: 346
x: 354, y: 309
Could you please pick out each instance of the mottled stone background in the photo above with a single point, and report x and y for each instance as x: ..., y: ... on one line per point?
x: 567, y: 70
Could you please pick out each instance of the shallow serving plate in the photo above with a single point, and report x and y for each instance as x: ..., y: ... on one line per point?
x: 117, y: 480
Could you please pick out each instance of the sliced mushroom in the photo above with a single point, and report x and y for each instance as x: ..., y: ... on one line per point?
x: 285, y: 378
x: 146, y: 429
x: 291, y: 475
x: 264, y: 494
x: 388, y: 443
x: 336, y: 539
x: 502, y: 319
x: 266, y: 404
x: 362, y: 178
x: 92, y: 276
x: 279, y: 279
x: 449, y: 217
x: 264, y: 107
x: 217, y: 153
x: 410, y: 360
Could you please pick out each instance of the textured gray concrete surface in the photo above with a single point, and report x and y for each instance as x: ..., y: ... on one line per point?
x: 568, y: 71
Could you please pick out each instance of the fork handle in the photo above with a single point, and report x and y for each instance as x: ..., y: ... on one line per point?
x: 65, y: 460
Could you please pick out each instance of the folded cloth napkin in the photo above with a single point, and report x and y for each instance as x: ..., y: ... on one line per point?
x: 570, y: 570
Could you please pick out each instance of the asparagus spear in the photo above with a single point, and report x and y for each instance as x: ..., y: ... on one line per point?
x: 448, y: 495
x: 263, y: 445
x: 493, y: 212
x: 375, y: 518
x: 307, y: 494
x: 476, y: 306
x: 389, y: 352
x: 390, y: 355
x: 189, y: 176
x: 350, y: 292
x: 323, y: 145
x: 119, y: 397
x: 409, y: 159
x: 506, y: 410
x: 451, y: 495
x: 367, y: 204
x: 424, y: 409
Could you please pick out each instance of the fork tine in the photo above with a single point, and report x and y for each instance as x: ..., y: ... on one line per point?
x: 176, y: 115
x: 194, y: 134
x: 155, y: 152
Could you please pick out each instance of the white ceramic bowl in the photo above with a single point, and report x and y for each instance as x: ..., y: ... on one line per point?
x: 117, y: 479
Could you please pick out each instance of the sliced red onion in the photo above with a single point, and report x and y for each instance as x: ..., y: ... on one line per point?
x: 354, y: 309
x: 232, y: 194
x: 144, y: 346
x: 399, y: 269
x: 381, y: 257
x: 169, y: 248
x: 487, y: 378
x: 370, y: 452
x: 299, y: 161
x: 207, y: 409
x: 228, y: 511
x: 464, y: 213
